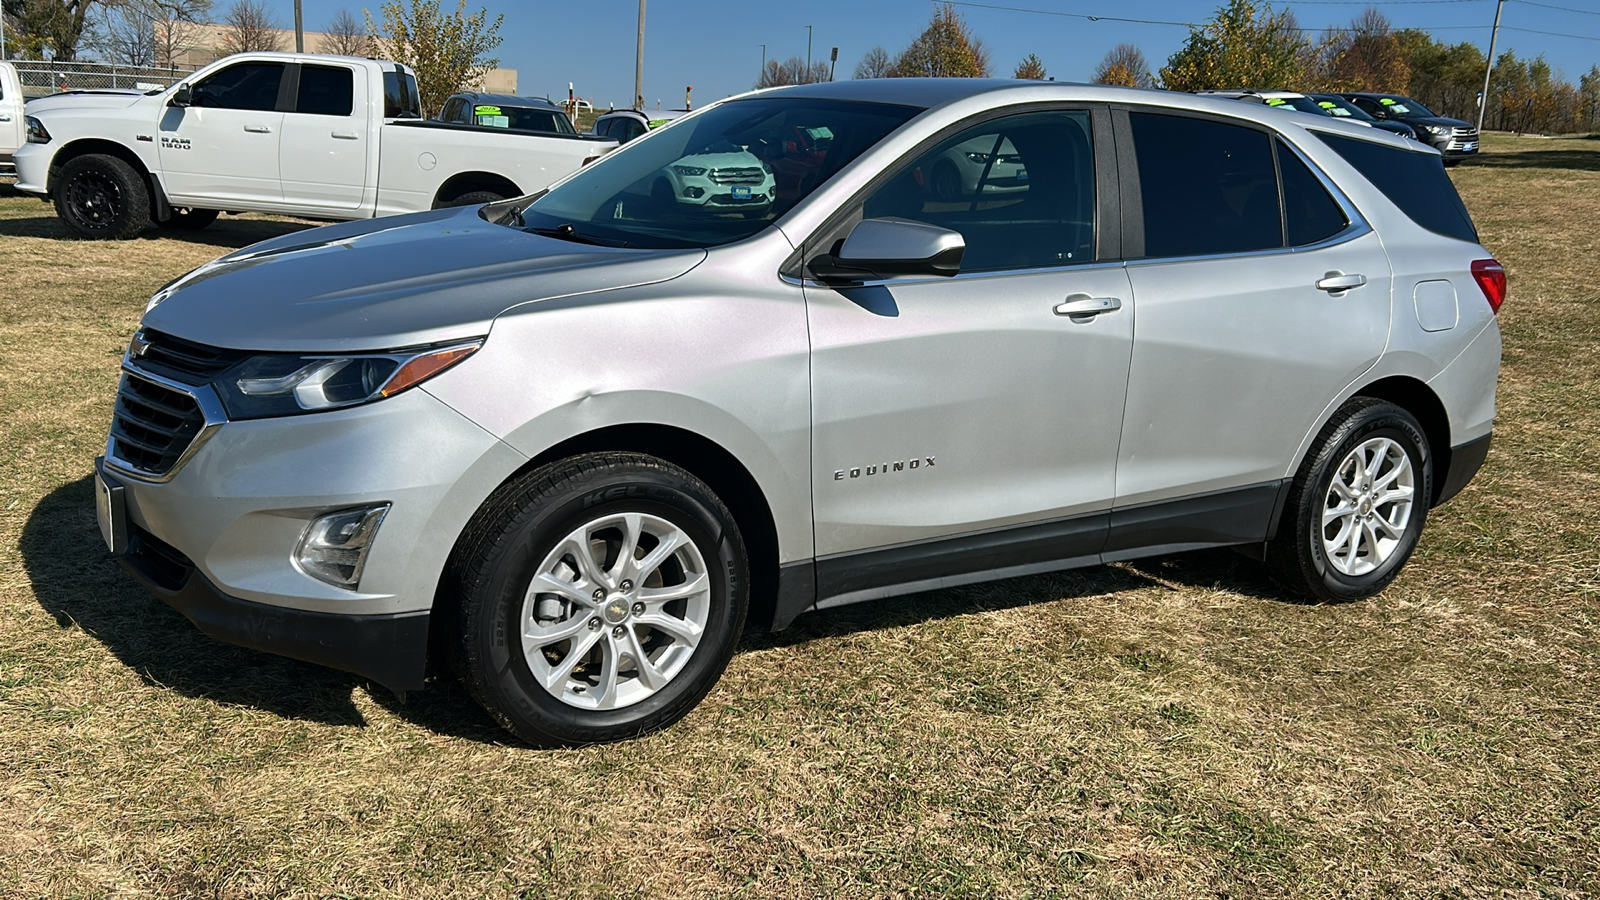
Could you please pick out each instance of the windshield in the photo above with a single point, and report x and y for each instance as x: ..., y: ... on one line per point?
x: 716, y: 178
x: 1341, y: 109
x: 1404, y: 108
x: 1303, y: 104
x: 522, y: 118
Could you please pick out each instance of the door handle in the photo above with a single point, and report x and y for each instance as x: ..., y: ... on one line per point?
x: 258, y: 129
x: 1336, y: 283
x: 5, y: 118
x: 1083, y: 307
x: 347, y: 135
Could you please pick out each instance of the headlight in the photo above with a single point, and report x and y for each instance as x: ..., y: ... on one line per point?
x: 1438, y: 129
x: 689, y: 170
x: 979, y: 158
x: 37, y: 134
x: 282, y: 384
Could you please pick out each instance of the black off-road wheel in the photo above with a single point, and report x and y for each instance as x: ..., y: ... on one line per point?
x: 597, y: 599
x: 102, y: 198
x: 472, y: 198
x: 1358, y: 505
x: 189, y: 219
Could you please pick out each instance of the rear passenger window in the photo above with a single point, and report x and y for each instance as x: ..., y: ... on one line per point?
x: 1208, y: 187
x: 1415, y: 181
x: 326, y: 91
x: 1020, y: 190
x: 1310, y: 214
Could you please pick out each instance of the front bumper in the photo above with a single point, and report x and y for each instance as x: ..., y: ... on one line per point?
x: 217, y: 541
x: 33, y: 168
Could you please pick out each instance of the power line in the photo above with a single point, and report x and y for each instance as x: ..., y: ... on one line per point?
x: 1576, y: 37
x: 1052, y: 12
x: 1587, y: 12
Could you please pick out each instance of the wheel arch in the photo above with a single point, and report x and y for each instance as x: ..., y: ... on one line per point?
x: 85, y: 146
x: 468, y: 182
x: 1420, y: 400
x: 707, y: 460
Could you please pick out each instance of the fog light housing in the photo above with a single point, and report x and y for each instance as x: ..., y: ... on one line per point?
x: 334, y: 547
x: 694, y: 193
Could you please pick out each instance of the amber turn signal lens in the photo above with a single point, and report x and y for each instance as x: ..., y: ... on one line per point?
x: 421, y: 368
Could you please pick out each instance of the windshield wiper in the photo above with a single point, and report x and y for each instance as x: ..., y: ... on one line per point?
x: 565, y: 232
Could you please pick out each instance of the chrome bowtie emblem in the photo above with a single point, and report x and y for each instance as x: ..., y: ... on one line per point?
x: 138, y: 346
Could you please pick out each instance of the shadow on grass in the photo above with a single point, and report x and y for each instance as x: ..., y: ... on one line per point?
x: 78, y: 584
x: 1575, y: 160
x: 228, y: 233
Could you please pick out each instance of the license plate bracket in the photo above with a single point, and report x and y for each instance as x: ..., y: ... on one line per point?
x: 111, y: 510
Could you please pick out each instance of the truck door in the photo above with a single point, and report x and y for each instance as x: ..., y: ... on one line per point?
x: 324, y: 153
x: 10, y: 115
x: 224, y: 145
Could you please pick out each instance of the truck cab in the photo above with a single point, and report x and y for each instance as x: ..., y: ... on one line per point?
x: 11, y: 102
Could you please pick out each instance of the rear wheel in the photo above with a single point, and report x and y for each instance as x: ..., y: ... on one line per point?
x: 600, y: 598
x: 1357, y: 507
x: 102, y: 198
x: 189, y: 219
x: 472, y: 198
x: 946, y: 182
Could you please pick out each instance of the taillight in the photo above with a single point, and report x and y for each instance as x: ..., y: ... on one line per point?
x: 1491, y: 278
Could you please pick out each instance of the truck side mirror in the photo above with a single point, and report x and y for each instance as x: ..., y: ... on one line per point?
x: 181, y: 97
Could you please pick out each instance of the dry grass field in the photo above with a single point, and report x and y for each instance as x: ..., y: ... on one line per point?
x: 1168, y: 728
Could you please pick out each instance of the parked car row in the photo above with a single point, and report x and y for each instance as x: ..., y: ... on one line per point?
x: 1454, y: 139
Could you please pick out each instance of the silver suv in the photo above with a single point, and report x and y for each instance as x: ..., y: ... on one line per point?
x: 575, y: 444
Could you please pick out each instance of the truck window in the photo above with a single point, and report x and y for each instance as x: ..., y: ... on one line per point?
x: 250, y: 85
x: 400, y: 99
x: 326, y: 91
x: 453, y: 110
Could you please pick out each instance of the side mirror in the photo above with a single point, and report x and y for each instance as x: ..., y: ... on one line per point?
x: 885, y: 248
x: 181, y: 97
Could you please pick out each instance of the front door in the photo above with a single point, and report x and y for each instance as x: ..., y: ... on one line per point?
x: 1261, y: 297
x: 964, y: 423
x: 224, y: 145
x: 324, y: 153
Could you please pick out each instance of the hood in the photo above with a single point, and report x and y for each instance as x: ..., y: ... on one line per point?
x: 388, y: 283
x: 1424, y: 121
x: 85, y: 100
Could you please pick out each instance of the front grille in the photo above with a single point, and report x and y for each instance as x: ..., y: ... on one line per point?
x: 738, y: 175
x: 158, y: 560
x: 152, y: 425
x: 1465, y: 132
x: 182, y: 360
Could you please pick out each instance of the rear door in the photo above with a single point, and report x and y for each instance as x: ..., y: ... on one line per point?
x: 224, y: 146
x: 1262, y: 295
x: 324, y: 155
x: 11, y: 131
x: 970, y: 424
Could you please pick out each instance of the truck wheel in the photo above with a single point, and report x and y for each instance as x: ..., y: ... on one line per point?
x: 102, y: 198
x: 190, y: 219
x: 472, y: 198
x: 599, y: 598
x: 1357, y: 506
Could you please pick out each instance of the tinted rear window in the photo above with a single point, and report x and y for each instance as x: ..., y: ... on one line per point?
x: 325, y: 90
x: 1208, y: 187
x: 400, y: 96
x: 1416, y: 182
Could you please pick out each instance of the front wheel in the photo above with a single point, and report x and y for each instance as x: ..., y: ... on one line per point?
x: 102, y: 198
x: 599, y: 598
x: 1357, y: 506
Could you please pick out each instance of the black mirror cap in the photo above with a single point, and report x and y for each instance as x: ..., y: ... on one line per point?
x: 181, y: 97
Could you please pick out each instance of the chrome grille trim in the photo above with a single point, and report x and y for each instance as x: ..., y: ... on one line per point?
x: 155, y: 421
x: 737, y: 175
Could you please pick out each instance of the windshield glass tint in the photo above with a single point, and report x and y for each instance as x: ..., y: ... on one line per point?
x: 522, y: 118
x: 1341, y: 109
x: 1416, y: 182
x: 1405, y: 109
x: 718, y: 177
x: 1303, y: 104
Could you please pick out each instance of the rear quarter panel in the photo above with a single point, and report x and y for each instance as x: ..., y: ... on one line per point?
x: 415, y: 159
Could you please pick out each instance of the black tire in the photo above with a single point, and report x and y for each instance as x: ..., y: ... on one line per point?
x: 503, y: 548
x: 101, y: 197
x: 471, y: 198
x: 189, y: 219
x: 1451, y: 163
x: 946, y: 182
x: 1298, y: 556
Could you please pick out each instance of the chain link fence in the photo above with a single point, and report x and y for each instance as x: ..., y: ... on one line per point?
x: 41, y: 77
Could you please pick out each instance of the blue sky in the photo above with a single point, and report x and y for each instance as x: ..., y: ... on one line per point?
x: 715, y: 45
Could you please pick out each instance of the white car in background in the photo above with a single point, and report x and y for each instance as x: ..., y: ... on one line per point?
x: 731, y: 178
x: 993, y: 163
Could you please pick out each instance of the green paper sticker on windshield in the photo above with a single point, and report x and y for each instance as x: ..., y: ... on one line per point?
x: 1326, y: 104
x: 1386, y: 102
x: 1276, y: 101
x: 657, y: 123
x: 488, y: 111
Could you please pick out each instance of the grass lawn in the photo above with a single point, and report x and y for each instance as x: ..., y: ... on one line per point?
x: 1172, y: 727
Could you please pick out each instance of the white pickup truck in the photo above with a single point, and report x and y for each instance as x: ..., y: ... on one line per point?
x: 300, y: 134
x: 11, y: 102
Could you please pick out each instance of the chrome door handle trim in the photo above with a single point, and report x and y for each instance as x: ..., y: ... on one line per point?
x: 5, y: 118
x: 346, y: 135
x: 1083, y: 306
x: 258, y: 129
x: 1338, y: 283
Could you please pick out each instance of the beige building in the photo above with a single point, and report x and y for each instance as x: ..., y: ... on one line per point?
x: 197, y: 46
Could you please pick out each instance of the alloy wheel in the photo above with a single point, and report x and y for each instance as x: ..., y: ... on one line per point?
x: 1368, y: 506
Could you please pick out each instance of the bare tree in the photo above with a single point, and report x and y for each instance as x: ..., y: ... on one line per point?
x: 1124, y: 65
x: 792, y: 71
x: 149, y: 32
x: 346, y: 35
x: 876, y: 64
x: 248, y: 27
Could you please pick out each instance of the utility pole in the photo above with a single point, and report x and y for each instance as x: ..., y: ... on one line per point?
x: 638, y: 64
x: 299, y: 30
x: 1483, y: 100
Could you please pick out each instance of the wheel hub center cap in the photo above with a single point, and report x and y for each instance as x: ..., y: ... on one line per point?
x: 616, y: 609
